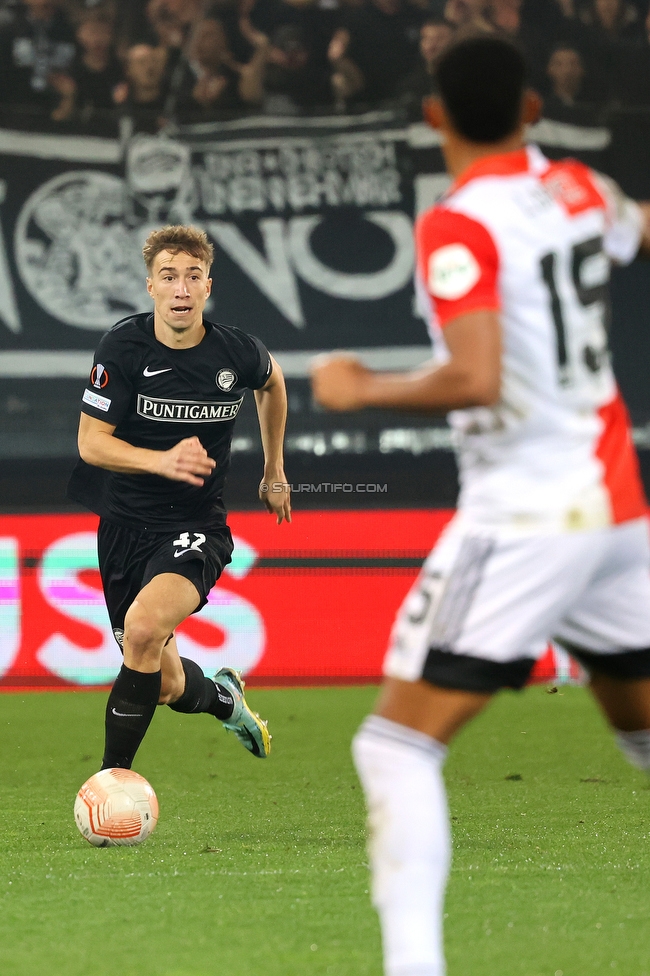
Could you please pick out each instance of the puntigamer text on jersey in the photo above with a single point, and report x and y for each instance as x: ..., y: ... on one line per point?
x: 177, y: 411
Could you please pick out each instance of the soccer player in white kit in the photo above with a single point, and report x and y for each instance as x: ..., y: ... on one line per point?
x: 551, y: 535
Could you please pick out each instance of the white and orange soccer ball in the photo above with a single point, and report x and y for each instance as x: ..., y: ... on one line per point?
x: 116, y: 807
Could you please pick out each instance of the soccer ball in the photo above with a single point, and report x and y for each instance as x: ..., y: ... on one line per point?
x: 116, y: 807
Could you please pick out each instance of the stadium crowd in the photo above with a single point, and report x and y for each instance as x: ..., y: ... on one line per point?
x: 86, y: 62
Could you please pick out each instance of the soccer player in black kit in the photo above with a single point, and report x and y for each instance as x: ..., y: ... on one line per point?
x: 154, y: 438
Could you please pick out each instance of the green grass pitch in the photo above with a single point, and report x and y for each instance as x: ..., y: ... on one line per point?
x: 259, y: 867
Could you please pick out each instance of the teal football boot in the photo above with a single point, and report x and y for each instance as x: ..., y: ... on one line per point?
x: 249, y: 728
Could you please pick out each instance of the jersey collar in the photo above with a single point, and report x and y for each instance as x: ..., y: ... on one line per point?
x: 501, y: 164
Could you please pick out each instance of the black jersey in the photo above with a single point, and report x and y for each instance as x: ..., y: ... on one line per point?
x: 156, y: 396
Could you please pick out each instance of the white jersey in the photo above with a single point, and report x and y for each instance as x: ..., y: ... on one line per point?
x: 534, y: 240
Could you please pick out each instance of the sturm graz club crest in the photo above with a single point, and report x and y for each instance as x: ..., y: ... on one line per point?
x: 226, y: 379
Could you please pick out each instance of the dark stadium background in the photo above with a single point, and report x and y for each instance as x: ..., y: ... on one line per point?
x: 309, y: 201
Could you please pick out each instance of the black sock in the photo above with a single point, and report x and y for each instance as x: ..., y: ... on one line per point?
x: 129, y: 710
x: 202, y: 694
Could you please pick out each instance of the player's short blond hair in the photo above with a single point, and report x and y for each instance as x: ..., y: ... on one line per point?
x: 176, y: 238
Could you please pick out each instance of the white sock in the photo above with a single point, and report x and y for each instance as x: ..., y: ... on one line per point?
x: 635, y: 746
x: 410, y: 849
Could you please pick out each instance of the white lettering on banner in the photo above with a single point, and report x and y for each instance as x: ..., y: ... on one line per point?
x: 361, y: 171
x: 79, y: 235
x: 271, y: 271
x: 8, y: 305
x: 60, y: 584
x: 186, y: 411
x: 9, y: 603
x: 376, y: 284
x: 237, y: 619
x: 287, y: 246
x: 429, y: 187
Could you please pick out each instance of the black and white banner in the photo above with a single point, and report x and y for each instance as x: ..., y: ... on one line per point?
x: 312, y: 224
x: 311, y: 220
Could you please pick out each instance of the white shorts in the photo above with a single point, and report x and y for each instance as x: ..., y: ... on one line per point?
x: 483, y: 609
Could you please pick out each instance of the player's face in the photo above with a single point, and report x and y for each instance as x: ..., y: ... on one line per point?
x: 180, y: 287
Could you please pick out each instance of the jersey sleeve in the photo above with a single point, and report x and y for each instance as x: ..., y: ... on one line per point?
x: 458, y: 263
x: 253, y: 360
x: 624, y: 219
x: 110, y: 386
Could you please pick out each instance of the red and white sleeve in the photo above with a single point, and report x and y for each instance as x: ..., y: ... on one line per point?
x: 458, y: 263
x: 625, y: 221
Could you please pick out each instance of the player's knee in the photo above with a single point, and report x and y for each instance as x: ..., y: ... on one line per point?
x: 142, y: 631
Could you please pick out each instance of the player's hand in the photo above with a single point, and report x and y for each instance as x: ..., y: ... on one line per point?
x: 338, y: 381
x: 275, y: 492
x: 187, y: 461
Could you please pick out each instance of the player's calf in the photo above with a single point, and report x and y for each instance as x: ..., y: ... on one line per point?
x: 137, y: 690
x: 626, y: 703
x: 223, y: 697
x: 401, y: 774
x: 201, y: 694
x: 635, y: 746
x: 131, y: 706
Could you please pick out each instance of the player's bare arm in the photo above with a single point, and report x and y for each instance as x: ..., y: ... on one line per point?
x: 271, y: 402
x: 187, y: 461
x: 470, y: 378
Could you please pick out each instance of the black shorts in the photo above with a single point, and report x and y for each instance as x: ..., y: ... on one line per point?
x: 130, y: 558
